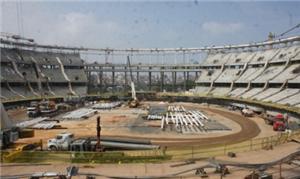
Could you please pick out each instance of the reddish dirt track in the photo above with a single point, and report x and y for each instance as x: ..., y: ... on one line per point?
x: 249, y: 129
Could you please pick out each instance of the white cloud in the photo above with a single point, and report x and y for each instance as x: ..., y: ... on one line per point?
x: 218, y: 28
x: 70, y: 28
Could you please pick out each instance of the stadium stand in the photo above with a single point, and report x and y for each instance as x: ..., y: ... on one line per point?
x: 208, y: 75
x: 27, y: 74
x: 229, y: 75
x: 271, y: 74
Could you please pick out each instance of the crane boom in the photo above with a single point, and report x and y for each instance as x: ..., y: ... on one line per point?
x: 133, y: 93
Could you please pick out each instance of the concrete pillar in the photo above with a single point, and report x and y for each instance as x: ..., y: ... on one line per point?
x: 113, y: 76
x: 125, y: 77
x: 173, y: 81
x: 101, y: 78
x: 150, y: 78
x: 137, y: 77
x: 162, y: 76
x: 184, y: 80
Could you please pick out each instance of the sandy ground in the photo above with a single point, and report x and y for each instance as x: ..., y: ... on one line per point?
x: 116, y: 122
x: 124, y: 122
x: 158, y: 169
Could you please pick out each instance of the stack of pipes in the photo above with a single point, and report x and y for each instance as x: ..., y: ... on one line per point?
x: 107, y: 105
x: 179, y: 116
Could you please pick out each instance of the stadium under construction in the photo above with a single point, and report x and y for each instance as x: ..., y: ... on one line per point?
x: 234, y: 114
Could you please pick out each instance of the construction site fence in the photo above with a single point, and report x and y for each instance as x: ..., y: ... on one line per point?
x: 144, y: 156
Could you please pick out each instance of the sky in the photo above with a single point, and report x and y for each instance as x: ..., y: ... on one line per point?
x: 155, y: 24
x: 147, y: 24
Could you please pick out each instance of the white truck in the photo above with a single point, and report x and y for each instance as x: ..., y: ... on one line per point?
x: 66, y: 141
x: 61, y: 142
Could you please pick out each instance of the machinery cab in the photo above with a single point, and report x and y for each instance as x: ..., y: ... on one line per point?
x: 60, y: 142
x: 33, y: 109
x: 83, y: 145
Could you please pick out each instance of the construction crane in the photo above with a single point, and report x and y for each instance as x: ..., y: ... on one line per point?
x: 133, y: 102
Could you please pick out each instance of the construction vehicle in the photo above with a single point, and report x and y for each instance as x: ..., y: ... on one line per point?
x: 133, y: 102
x: 278, y: 121
x: 41, y: 108
x: 66, y: 141
x: 247, y: 112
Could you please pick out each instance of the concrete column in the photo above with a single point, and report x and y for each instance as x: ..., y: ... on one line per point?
x: 137, y: 78
x: 101, y: 78
x: 113, y: 76
x: 125, y: 77
x: 184, y: 80
x: 162, y: 76
x: 150, y: 78
x: 173, y: 81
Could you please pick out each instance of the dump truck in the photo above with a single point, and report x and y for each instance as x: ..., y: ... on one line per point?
x: 278, y: 121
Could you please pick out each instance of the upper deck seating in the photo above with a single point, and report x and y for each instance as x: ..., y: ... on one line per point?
x: 291, y: 100
x: 290, y: 73
x: 250, y: 74
x: 237, y: 92
x: 241, y: 58
x: 251, y: 92
x: 268, y: 74
x: 208, y: 75
x: 220, y: 91
x: 229, y: 75
x: 266, y: 93
x: 281, y: 95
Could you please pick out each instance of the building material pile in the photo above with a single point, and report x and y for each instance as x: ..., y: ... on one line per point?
x: 37, y: 123
x: 44, y: 125
x: 157, y: 112
x: 81, y: 113
x: 107, y: 105
x: 189, y: 121
x: 31, y: 122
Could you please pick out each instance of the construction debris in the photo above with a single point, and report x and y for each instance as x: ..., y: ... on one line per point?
x: 81, y: 113
x: 189, y: 121
x: 44, y: 125
x: 31, y: 122
x: 107, y: 105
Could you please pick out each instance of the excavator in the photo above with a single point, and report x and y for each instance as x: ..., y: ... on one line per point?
x: 133, y: 102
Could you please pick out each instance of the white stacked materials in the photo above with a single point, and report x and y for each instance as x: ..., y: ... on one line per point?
x: 110, y: 105
x: 80, y: 113
x: 31, y: 122
x: 154, y: 117
x: 44, y: 125
x: 189, y: 121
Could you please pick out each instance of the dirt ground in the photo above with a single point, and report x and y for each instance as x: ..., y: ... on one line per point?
x: 119, y: 122
x: 125, y: 122
x: 161, y: 169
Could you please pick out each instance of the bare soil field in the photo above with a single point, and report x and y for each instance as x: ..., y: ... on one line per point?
x: 161, y: 169
x: 126, y: 122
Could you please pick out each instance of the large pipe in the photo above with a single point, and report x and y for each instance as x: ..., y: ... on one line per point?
x: 125, y: 140
x: 127, y: 145
x: 98, y: 146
